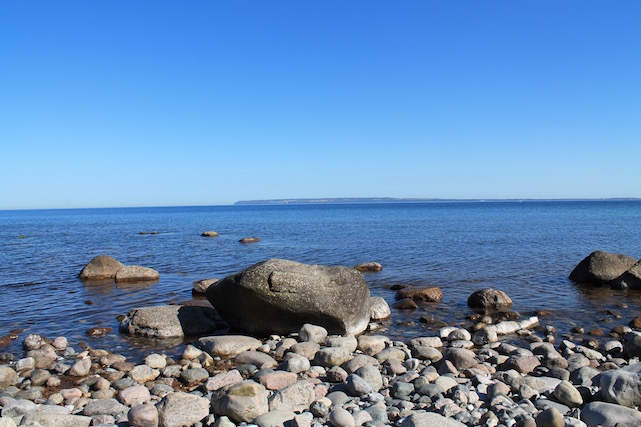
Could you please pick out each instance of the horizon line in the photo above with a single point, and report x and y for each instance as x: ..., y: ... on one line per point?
x: 340, y: 200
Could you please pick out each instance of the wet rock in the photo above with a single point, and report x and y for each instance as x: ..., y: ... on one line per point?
x: 136, y: 273
x: 280, y: 296
x: 379, y: 309
x: 100, y: 268
x: 489, y: 299
x: 180, y: 409
x: 369, y: 267
x: 209, y: 234
x: 243, y: 402
x: 249, y: 240
x: 201, y: 286
x: 167, y: 321
x: 630, y: 279
x: 405, y: 304
x: 428, y: 293
x: 228, y: 345
x: 98, y: 331
x: 609, y: 415
x: 601, y: 267
x: 143, y: 416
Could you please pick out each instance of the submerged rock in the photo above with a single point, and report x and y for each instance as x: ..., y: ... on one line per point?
x: 249, y: 240
x: 601, y: 267
x: 280, y: 296
x: 209, y: 234
x: 427, y: 293
x: 100, y: 268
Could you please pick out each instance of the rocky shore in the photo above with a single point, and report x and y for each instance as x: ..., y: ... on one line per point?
x: 493, y: 372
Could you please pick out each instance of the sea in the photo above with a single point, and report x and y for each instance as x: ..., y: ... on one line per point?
x: 526, y: 249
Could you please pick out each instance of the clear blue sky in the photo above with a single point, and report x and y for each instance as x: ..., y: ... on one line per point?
x: 148, y: 103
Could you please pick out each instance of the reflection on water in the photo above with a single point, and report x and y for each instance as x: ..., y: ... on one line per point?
x: 525, y: 249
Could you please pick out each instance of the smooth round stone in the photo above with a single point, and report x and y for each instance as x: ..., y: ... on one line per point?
x: 274, y: 418
x: 135, y: 395
x: 26, y: 364
x: 39, y: 377
x: 348, y: 343
x: 339, y: 417
x: 567, y: 394
x: 155, y: 361
x: 372, y: 375
x: 143, y: 373
x: 179, y: 409
x: 338, y: 398
x: 191, y: 352
x: 195, y: 375
x: 550, y: 417
x: 332, y: 356
x: 81, y: 368
x: 357, y: 386
x: 296, y: 364
x: 402, y: 390
x: 313, y: 333
x: 143, y: 416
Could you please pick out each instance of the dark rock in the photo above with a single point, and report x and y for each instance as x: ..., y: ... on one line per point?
x: 428, y: 293
x: 280, y: 296
x: 489, y: 299
x: 601, y: 267
x: 630, y: 279
x: 405, y: 304
x: 100, y: 268
x: 167, y: 321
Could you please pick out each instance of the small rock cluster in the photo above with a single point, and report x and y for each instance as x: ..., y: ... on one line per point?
x: 104, y: 267
x: 458, y: 377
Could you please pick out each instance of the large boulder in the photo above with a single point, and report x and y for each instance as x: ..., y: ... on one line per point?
x: 171, y: 321
x: 101, y: 267
x: 601, y: 267
x: 630, y: 279
x: 609, y: 415
x: 489, y: 298
x: 280, y: 296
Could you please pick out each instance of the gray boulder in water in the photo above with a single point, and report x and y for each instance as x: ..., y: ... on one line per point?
x: 601, y: 267
x: 100, y: 268
x: 171, y: 321
x: 280, y: 296
x: 630, y: 279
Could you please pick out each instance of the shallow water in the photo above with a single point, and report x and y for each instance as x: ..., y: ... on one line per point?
x: 526, y: 249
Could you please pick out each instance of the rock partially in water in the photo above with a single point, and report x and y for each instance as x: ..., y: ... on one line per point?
x: 136, y: 273
x: 209, y: 234
x: 166, y: 321
x: 489, y: 298
x: 280, y: 296
x: 100, y: 268
x: 630, y: 279
x: 601, y: 267
x: 249, y: 240
x: 427, y: 293
x: 201, y: 286
x: 371, y: 267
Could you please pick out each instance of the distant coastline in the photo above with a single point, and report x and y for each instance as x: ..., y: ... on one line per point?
x: 354, y: 200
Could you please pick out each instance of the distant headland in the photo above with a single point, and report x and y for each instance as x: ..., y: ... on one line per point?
x: 356, y: 200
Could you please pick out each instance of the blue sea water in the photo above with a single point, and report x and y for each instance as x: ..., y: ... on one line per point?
x: 524, y: 248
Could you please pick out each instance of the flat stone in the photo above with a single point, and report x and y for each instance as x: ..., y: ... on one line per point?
x: 180, y: 409
x: 430, y: 419
x: 136, y: 273
x: 228, y: 345
x: 339, y: 417
x: 104, y: 407
x: 567, y: 394
x: 609, y: 415
x: 274, y: 418
x: 256, y: 358
x: 55, y: 420
x: 171, y: 321
x: 372, y: 344
x: 222, y: 380
x: 332, y: 356
x: 277, y: 380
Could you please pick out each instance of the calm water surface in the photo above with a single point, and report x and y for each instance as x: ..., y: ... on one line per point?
x: 526, y: 249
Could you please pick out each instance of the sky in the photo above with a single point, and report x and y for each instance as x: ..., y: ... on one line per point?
x: 169, y: 103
